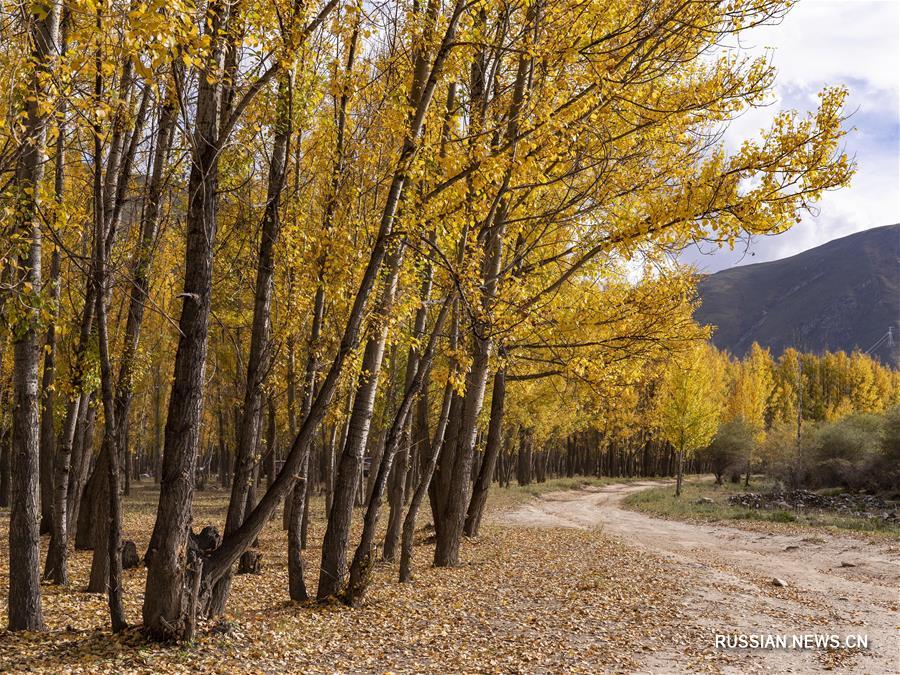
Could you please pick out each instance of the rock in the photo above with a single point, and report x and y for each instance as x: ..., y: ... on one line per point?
x: 250, y: 562
x: 844, y: 563
x: 779, y: 582
x: 130, y: 558
x: 704, y: 500
x: 792, y: 547
x: 859, y: 505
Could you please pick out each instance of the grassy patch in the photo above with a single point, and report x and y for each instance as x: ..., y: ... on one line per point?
x: 693, y: 505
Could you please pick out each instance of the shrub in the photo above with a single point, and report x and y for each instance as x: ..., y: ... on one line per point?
x: 888, y: 466
x: 847, y: 453
x: 855, y: 452
x: 729, y: 448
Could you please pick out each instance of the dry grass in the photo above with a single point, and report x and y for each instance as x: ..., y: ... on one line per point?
x: 661, y: 502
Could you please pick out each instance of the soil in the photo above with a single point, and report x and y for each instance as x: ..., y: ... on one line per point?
x: 834, y: 585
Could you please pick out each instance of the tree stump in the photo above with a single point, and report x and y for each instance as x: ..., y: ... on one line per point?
x: 208, y: 540
x: 130, y: 558
x: 250, y: 562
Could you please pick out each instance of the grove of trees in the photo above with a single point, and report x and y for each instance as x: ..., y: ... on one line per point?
x: 368, y: 249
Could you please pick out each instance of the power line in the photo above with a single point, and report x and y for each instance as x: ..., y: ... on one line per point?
x: 889, y: 337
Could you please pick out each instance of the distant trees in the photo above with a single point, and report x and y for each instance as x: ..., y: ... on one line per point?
x: 859, y: 451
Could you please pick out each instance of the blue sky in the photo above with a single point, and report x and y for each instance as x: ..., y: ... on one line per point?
x: 827, y: 42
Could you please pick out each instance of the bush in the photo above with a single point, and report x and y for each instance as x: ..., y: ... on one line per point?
x: 729, y: 449
x: 847, y: 453
x: 853, y: 453
x: 888, y: 465
x: 890, y: 434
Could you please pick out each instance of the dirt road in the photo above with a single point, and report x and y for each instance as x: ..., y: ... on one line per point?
x: 835, y: 585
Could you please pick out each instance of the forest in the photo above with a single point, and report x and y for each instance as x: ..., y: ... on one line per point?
x: 377, y: 258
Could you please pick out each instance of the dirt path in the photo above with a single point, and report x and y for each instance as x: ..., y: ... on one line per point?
x: 835, y: 585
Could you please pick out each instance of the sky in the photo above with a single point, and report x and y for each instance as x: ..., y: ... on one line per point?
x: 855, y: 43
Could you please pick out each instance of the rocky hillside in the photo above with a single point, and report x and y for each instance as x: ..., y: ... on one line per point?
x: 842, y: 295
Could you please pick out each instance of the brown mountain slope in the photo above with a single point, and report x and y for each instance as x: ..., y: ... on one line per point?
x: 842, y: 295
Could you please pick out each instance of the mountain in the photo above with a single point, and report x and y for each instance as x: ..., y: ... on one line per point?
x: 841, y: 295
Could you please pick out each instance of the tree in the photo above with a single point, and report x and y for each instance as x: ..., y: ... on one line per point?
x: 689, y: 403
x: 35, y: 101
x: 731, y: 444
x: 750, y: 392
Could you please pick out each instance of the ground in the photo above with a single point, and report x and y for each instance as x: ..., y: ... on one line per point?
x: 835, y: 584
x: 704, y: 501
x: 564, y: 581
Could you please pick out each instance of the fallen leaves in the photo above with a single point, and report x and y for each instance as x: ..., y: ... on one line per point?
x: 523, y: 600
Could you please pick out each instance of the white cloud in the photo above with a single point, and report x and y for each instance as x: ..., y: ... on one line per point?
x: 855, y: 43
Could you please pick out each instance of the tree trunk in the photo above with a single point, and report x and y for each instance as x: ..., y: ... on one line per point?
x: 140, y: 280
x: 82, y: 450
x: 431, y: 450
x: 24, y: 604
x: 449, y: 531
x: 492, y: 449
x: 4, y: 453
x: 398, y: 481
x: 296, y: 580
x: 114, y: 515
x: 48, y: 388
x: 679, y: 479
x: 334, y: 546
x: 271, y: 442
x: 164, y: 610
x: 363, y: 558
x: 246, y: 463
x: 56, y: 563
x: 396, y: 498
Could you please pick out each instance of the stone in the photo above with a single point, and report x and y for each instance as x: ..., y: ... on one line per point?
x: 779, y: 582
x: 844, y: 563
x: 859, y: 505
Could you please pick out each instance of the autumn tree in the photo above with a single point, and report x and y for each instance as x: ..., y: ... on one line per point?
x: 690, y: 403
x: 750, y: 389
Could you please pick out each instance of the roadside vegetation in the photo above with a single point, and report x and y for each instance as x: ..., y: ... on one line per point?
x: 705, y: 501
